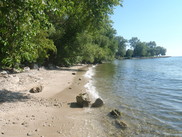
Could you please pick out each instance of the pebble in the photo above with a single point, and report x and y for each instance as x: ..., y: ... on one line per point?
x: 59, y: 132
x: 36, y: 130
x: 56, y: 104
x: 73, y: 73
x: 14, y: 122
x: 44, y: 125
x: 24, y: 123
x: 29, y: 134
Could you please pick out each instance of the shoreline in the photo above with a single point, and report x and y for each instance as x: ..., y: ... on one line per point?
x: 51, y: 112
x: 152, y: 57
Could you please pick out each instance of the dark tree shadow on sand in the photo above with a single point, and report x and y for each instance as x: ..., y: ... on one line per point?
x: 10, y: 96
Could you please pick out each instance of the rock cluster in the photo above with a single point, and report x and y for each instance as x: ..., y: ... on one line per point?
x: 83, y: 100
x: 115, y: 113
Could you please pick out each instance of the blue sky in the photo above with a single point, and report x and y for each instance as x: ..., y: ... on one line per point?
x: 151, y: 20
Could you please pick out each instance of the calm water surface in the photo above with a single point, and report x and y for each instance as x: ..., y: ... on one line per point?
x: 148, y: 92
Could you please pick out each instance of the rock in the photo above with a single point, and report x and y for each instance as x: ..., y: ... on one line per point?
x: 36, y: 89
x: 26, y: 69
x: 98, y: 103
x: 121, y: 124
x: 4, y: 73
x: 35, y: 66
x: 59, y: 132
x: 6, y: 76
x: 51, y: 66
x: 24, y: 123
x: 36, y: 130
x: 80, y: 79
x: 73, y: 73
x: 83, y: 100
x: 115, y: 113
x: 29, y: 134
x: 56, y: 104
x: 16, y: 70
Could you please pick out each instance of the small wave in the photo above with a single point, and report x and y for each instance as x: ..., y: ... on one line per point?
x: 90, y: 73
x: 90, y: 88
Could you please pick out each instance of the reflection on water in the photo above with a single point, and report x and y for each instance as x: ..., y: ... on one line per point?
x: 148, y: 92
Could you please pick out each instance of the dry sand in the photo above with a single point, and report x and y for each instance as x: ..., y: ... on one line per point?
x: 50, y: 113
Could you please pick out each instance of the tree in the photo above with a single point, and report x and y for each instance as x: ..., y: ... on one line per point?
x: 133, y: 42
x: 151, y: 48
x: 121, y: 46
x: 140, y: 50
x: 83, y: 17
x: 21, y: 23
x: 129, y: 53
x: 160, y: 51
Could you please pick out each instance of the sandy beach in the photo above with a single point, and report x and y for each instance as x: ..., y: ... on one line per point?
x: 50, y: 113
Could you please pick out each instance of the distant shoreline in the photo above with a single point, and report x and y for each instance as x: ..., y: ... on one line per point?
x: 148, y: 57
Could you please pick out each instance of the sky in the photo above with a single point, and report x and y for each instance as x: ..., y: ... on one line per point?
x: 151, y: 20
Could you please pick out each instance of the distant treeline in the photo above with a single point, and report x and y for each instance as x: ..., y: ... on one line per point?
x: 62, y: 32
x: 135, y: 48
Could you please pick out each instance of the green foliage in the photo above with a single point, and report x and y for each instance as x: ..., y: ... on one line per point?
x: 133, y: 42
x: 21, y: 23
x: 140, y: 50
x: 121, y: 46
x: 129, y: 53
x: 63, y: 32
x: 143, y: 49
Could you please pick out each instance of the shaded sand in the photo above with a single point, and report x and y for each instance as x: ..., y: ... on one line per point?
x: 51, y: 113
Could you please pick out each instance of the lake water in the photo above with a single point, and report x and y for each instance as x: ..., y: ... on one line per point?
x: 148, y: 92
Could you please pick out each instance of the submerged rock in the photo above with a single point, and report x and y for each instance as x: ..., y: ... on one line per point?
x: 115, y: 113
x: 121, y: 124
x: 98, y: 103
x: 83, y: 100
x: 36, y: 89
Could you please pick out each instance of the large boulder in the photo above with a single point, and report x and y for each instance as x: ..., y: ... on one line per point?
x: 98, y: 103
x: 83, y: 100
x: 36, y: 89
x: 115, y: 113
